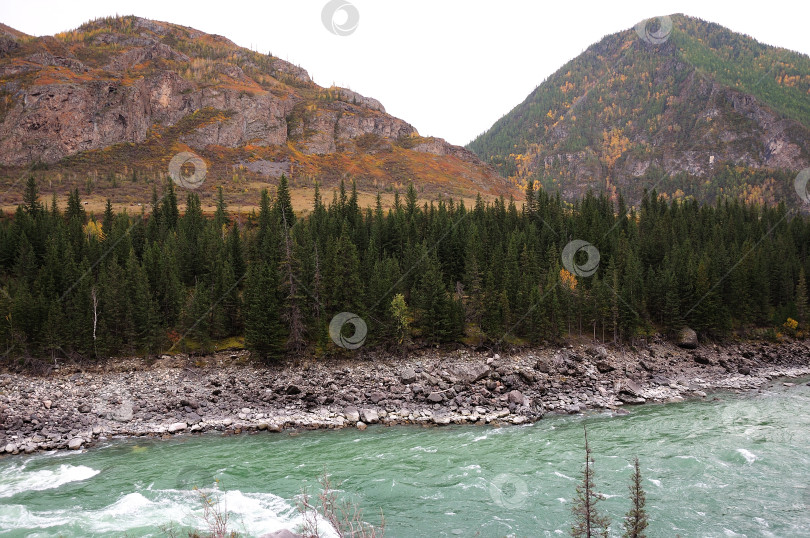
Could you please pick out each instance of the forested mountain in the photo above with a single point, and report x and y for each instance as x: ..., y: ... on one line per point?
x: 677, y: 104
x: 105, y: 107
x: 491, y: 274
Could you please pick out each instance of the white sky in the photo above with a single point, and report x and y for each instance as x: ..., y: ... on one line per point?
x: 451, y: 68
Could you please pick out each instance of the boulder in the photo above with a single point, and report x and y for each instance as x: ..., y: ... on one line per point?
x: 516, y: 397
x: 369, y: 416
x: 407, y: 376
x: 376, y: 397
x: 361, y: 426
x: 471, y: 374
x: 124, y: 412
x: 687, y: 339
x: 435, y: 397
x: 441, y: 420
x: 177, y: 427
x: 352, y: 414
x: 74, y: 444
x: 629, y: 387
x: 543, y: 365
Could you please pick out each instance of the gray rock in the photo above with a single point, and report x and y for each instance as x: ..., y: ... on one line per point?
x: 471, y: 373
x: 369, y: 416
x: 407, y: 376
x: 376, y: 397
x: 435, y: 397
x: 11, y: 448
x: 75, y: 443
x: 629, y: 387
x: 124, y: 412
x: 687, y: 339
x: 361, y: 426
x: 177, y: 427
x: 543, y: 365
x: 604, y: 366
x: 352, y: 414
x: 516, y: 397
x: 441, y: 420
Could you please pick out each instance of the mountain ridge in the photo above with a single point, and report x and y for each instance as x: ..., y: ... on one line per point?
x: 631, y: 113
x: 120, y: 96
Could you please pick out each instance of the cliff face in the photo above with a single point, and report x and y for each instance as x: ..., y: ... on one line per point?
x: 124, y: 81
x: 703, y: 105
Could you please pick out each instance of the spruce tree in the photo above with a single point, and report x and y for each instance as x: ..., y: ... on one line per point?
x: 635, y: 522
x: 588, y: 522
x: 264, y: 334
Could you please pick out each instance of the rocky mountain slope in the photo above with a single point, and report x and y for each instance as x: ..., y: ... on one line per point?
x: 682, y: 105
x: 119, y: 97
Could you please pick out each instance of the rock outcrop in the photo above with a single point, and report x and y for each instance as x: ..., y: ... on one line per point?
x: 163, y: 88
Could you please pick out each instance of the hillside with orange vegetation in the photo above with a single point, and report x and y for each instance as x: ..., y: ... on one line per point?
x: 107, y: 106
x: 676, y: 104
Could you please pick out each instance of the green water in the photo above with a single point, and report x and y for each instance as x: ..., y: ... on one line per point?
x: 733, y: 466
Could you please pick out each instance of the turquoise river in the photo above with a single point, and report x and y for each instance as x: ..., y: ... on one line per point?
x: 728, y: 465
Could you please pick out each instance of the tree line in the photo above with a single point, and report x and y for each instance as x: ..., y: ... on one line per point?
x: 73, y: 284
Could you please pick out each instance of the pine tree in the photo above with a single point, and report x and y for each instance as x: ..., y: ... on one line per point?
x: 31, y: 197
x: 221, y: 218
x: 283, y: 206
x: 635, y: 522
x: 588, y: 522
x: 169, y: 213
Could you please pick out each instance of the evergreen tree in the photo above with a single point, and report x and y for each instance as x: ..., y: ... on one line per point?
x: 588, y: 522
x: 635, y: 522
x: 264, y: 334
x: 801, y: 297
x: 31, y: 201
x: 283, y: 206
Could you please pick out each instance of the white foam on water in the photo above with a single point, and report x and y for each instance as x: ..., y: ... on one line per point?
x: 654, y: 481
x: 429, y: 450
x: 253, y: 514
x: 16, y: 516
x: 557, y: 473
x: 749, y: 456
x: 16, y: 479
x: 562, y: 500
x: 729, y: 532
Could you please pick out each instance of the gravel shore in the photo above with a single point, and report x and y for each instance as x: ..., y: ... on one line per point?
x: 72, y: 408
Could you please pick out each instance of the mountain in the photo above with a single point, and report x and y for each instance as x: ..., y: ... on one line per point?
x: 678, y: 104
x: 108, y: 105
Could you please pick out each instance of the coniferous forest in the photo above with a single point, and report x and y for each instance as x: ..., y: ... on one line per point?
x: 78, y: 285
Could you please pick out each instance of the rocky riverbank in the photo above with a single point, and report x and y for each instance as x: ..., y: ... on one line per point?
x: 74, y: 408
